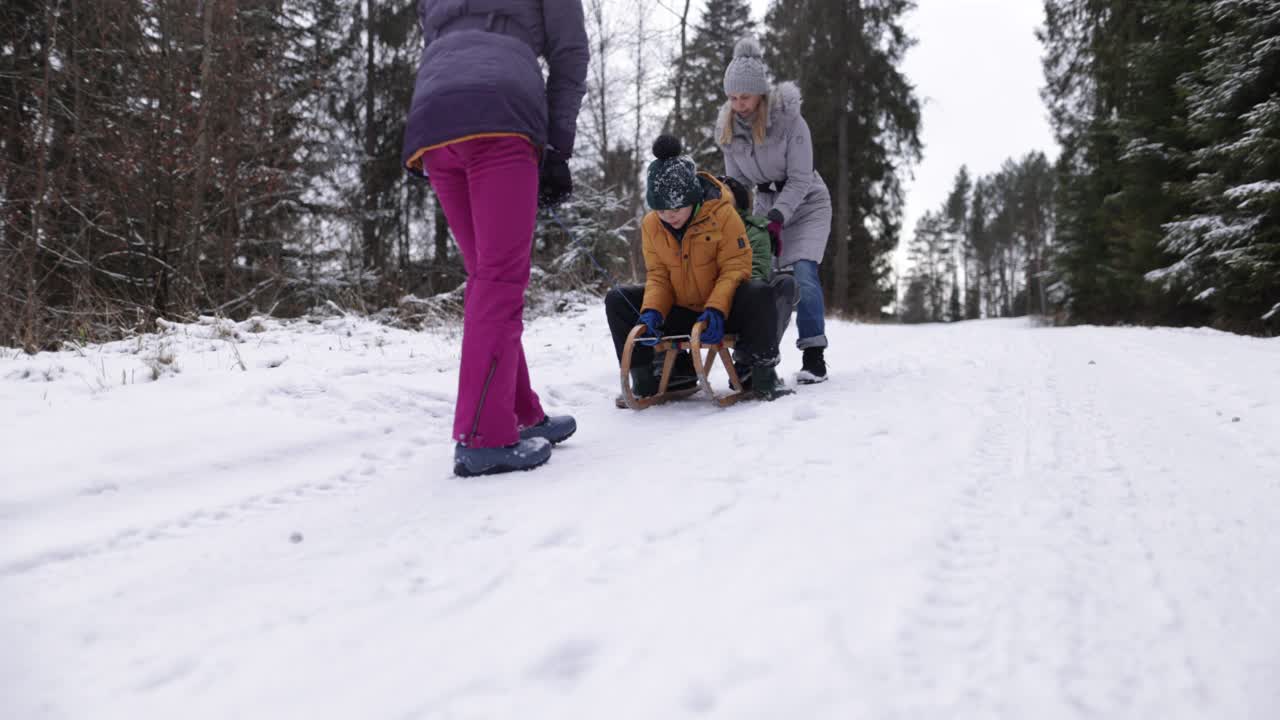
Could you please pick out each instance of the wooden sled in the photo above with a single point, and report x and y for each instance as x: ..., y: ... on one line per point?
x: 704, y: 360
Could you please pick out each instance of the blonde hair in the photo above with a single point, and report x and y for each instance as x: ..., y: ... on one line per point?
x: 759, y: 124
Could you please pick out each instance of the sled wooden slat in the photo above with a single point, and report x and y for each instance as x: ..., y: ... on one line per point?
x: 703, y: 364
x: 628, y: 397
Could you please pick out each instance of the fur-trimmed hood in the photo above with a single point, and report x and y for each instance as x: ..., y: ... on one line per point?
x: 784, y: 107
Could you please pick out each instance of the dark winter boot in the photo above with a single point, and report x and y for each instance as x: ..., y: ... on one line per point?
x: 524, y: 455
x: 643, y: 382
x: 766, y: 384
x: 555, y: 429
x: 683, y: 376
x: 744, y: 372
x: 813, y: 369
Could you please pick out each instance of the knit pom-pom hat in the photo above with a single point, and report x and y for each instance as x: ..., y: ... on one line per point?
x: 673, y: 178
x: 747, y: 74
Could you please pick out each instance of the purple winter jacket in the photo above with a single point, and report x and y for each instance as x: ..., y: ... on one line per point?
x: 479, y: 73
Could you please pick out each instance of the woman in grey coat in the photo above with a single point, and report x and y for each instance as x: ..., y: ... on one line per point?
x: 766, y: 145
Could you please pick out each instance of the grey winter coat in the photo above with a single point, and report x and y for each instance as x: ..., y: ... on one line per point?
x: 786, y: 156
x: 479, y: 73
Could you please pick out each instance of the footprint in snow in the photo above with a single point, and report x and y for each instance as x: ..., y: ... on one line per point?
x: 557, y: 538
x: 804, y: 412
x: 567, y: 663
x: 698, y: 698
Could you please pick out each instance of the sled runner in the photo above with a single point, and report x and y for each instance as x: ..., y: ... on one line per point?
x: 704, y: 360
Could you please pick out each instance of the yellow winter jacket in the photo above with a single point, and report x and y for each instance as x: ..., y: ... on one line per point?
x: 704, y: 269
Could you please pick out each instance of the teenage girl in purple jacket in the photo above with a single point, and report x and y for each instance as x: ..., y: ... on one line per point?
x: 494, y: 139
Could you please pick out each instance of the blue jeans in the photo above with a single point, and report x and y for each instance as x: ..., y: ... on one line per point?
x: 810, y: 313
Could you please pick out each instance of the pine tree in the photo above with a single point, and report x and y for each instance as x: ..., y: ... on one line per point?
x: 915, y: 303
x: 1111, y: 68
x: 723, y: 23
x: 1035, y: 227
x: 1228, y: 247
x: 957, y: 213
x: 158, y: 158
x: 1010, y: 224
x: 1002, y: 232
x: 998, y: 228
x: 1073, y: 33
x: 928, y: 254
x: 379, y: 57
x: 978, y: 252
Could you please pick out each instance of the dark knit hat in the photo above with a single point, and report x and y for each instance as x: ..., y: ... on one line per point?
x: 741, y: 195
x: 673, y: 178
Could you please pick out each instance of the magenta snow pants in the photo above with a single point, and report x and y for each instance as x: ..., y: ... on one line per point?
x: 488, y: 188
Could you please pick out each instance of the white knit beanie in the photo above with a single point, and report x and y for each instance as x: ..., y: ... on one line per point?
x: 747, y: 73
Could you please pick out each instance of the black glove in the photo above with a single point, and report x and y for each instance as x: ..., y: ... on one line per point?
x: 555, y: 182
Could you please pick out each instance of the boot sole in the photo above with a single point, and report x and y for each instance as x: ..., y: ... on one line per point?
x: 461, y: 470
x: 557, y: 441
x: 804, y: 378
x: 548, y: 438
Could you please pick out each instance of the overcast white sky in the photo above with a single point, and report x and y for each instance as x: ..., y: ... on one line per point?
x: 976, y: 68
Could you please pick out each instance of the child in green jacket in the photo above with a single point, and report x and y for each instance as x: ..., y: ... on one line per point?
x: 757, y: 231
x: 785, y: 291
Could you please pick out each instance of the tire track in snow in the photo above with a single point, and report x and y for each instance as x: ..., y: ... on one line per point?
x: 358, y: 451
x: 197, y: 520
x: 1081, y: 520
x: 1091, y: 566
x: 953, y: 653
x: 350, y: 480
x: 1196, y: 534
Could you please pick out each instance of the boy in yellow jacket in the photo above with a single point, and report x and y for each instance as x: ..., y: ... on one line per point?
x: 697, y: 269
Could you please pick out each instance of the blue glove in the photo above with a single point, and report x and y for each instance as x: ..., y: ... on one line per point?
x: 651, y: 319
x: 715, y: 326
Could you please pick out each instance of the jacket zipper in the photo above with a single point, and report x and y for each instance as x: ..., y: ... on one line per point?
x: 756, y: 160
x: 688, y: 271
x: 686, y: 260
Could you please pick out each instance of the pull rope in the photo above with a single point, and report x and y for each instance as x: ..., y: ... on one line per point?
x: 576, y: 240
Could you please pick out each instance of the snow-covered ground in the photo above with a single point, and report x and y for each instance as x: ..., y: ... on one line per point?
x: 984, y: 520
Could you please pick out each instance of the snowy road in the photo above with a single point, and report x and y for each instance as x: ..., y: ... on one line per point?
x: 984, y: 520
